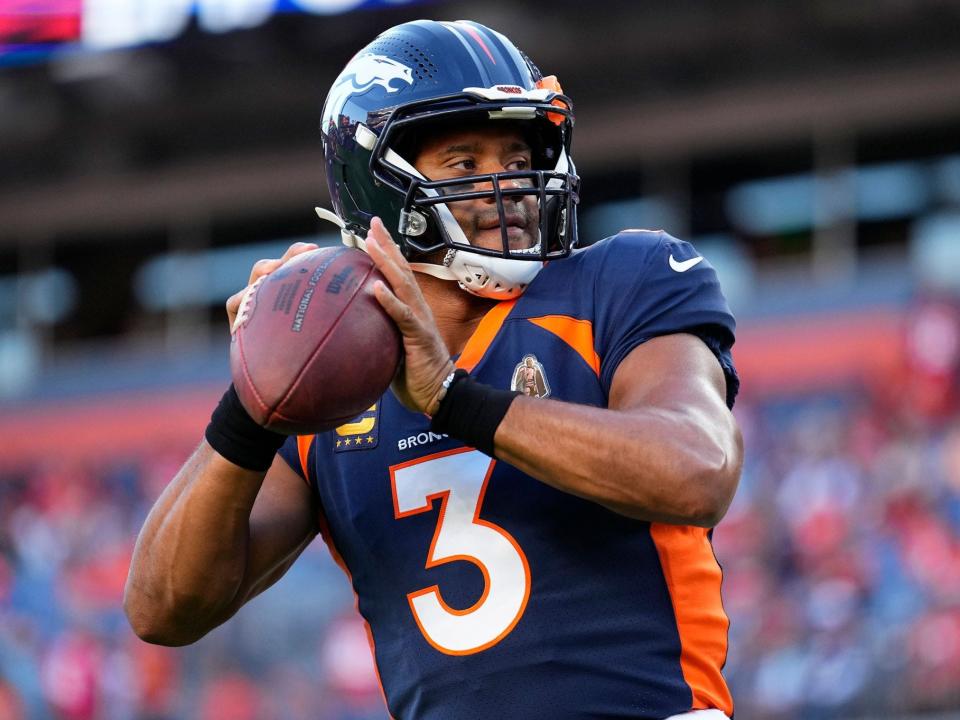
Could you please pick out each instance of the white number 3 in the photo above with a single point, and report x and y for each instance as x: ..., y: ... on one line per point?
x: 459, y: 479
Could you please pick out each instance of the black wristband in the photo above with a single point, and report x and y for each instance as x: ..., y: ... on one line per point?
x: 471, y: 411
x: 234, y: 434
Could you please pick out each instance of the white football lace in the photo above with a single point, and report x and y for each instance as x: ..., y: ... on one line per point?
x: 246, y: 304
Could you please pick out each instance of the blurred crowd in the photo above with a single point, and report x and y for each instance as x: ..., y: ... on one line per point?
x: 841, y: 555
x: 841, y: 550
x: 67, y: 653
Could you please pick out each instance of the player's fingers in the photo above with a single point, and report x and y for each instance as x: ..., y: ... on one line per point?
x: 236, y: 312
x: 380, y: 241
x: 389, y: 247
x: 233, y: 306
x: 386, y: 256
x: 401, y: 313
x: 298, y: 248
x: 263, y: 267
x: 268, y: 265
x: 379, y: 230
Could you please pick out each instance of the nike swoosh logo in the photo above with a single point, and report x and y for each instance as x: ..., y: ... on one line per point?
x: 685, y: 265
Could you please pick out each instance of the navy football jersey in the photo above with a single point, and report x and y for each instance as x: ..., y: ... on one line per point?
x: 490, y: 594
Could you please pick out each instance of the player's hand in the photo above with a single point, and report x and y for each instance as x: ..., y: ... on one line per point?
x: 426, y: 362
x: 262, y: 268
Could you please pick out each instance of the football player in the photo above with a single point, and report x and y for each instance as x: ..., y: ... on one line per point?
x: 514, y: 554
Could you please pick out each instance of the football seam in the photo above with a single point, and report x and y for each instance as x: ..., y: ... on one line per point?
x: 246, y: 376
x: 296, y: 380
x: 277, y: 415
x: 265, y: 408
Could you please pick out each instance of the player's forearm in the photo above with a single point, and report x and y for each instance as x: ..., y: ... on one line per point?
x: 191, y: 555
x: 650, y: 464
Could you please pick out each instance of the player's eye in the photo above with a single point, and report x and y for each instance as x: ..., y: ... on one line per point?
x: 518, y: 164
x: 468, y: 164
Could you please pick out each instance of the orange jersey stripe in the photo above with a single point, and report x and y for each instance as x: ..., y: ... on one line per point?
x: 578, y: 334
x: 693, y: 579
x: 486, y: 331
x: 303, y: 449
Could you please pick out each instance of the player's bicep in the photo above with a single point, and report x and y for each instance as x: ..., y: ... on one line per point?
x: 282, y: 524
x: 675, y: 372
x: 677, y: 382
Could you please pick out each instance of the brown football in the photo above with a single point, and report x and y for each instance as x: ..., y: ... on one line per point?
x: 311, y: 347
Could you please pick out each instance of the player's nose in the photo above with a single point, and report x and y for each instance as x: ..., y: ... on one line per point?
x: 505, y: 184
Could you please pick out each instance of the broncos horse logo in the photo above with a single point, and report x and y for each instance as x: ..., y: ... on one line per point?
x: 363, y: 74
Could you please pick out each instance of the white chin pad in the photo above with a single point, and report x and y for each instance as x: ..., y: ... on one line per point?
x: 492, y: 277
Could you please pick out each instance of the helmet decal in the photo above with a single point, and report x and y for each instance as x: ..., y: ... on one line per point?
x: 472, y: 32
x: 367, y: 72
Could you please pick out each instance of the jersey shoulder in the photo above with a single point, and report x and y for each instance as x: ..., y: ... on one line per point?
x: 632, y: 256
x: 635, y: 241
x: 616, y: 265
x: 636, y: 245
x: 641, y: 284
x: 606, y: 265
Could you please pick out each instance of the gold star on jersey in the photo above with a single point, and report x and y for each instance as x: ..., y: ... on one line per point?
x: 361, y: 433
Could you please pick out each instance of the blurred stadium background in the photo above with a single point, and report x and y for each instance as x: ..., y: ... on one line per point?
x: 151, y: 150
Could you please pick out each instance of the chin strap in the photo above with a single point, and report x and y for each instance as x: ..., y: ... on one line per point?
x: 346, y: 237
x: 437, y: 271
x: 460, y: 272
x: 355, y: 241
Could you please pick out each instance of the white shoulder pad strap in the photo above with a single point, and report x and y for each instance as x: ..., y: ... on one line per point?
x: 355, y: 241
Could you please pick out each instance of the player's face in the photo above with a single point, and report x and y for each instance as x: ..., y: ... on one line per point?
x: 481, y: 151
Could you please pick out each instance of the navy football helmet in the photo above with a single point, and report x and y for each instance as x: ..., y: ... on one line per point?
x: 426, y: 75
